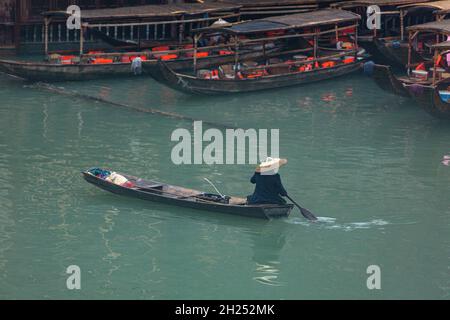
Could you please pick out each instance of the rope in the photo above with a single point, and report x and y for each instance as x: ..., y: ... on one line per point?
x: 58, y: 90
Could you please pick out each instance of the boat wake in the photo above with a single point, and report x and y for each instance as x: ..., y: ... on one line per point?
x: 330, y: 223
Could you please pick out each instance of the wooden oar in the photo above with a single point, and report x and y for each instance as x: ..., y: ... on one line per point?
x: 305, y: 212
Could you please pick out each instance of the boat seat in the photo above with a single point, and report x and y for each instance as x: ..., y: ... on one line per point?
x: 150, y: 187
x: 237, y: 201
x: 153, y: 186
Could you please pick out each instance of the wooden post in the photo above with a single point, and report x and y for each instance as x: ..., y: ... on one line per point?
x: 316, y: 40
x: 337, y: 34
x: 17, y: 24
x: 139, y: 35
x: 236, y: 55
x: 264, y: 50
x: 196, y: 39
x: 46, y: 22
x: 402, y: 27
x: 409, y: 51
x: 436, y: 55
x: 181, y: 30
x: 81, y: 39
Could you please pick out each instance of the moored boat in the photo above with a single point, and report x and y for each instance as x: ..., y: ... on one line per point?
x: 428, y: 83
x: 434, y: 95
x: 316, y: 56
x: 386, y: 43
x: 388, y: 81
x: 195, y: 85
x: 183, y: 197
x: 101, y: 65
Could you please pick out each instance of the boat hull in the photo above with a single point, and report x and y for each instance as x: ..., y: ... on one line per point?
x: 386, y: 80
x: 59, y: 72
x: 193, y: 85
x: 383, y: 51
x: 394, y: 54
x: 266, y: 211
x: 429, y: 99
x: 48, y: 72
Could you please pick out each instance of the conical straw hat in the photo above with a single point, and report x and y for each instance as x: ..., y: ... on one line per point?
x: 270, y: 164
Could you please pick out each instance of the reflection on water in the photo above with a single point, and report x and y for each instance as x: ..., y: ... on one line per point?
x: 267, y: 246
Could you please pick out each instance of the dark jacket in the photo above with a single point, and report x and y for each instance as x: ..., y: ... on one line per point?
x: 268, y: 189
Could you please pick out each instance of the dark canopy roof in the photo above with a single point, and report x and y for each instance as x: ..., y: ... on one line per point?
x: 380, y: 3
x: 148, y: 11
x: 437, y: 5
x: 442, y: 45
x: 435, y: 26
x: 255, y: 3
x: 291, y: 21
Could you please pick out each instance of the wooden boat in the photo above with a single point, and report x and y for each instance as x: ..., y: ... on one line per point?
x: 395, y: 52
x: 111, y: 25
x: 195, y: 85
x: 434, y: 95
x: 323, y: 62
x: 387, y: 45
x: 386, y: 80
x: 51, y: 72
x: 431, y: 89
x: 189, y: 198
x: 429, y: 97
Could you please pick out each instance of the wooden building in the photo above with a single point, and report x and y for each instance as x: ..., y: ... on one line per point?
x: 22, y: 23
x: 18, y: 16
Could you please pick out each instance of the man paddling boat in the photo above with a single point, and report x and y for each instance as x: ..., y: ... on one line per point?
x: 269, y: 188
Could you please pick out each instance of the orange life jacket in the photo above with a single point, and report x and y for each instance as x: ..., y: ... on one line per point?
x: 161, y: 48
x: 421, y: 66
x: 102, y: 61
x: 328, y: 64
x: 215, y: 74
x: 349, y: 60
x: 202, y: 54
x: 168, y: 57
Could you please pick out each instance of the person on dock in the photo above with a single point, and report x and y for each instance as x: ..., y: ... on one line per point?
x: 268, y: 186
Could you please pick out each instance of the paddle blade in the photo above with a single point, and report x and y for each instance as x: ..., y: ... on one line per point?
x: 307, y: 214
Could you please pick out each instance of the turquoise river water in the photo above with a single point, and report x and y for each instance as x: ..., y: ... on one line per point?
x: 366, y: 162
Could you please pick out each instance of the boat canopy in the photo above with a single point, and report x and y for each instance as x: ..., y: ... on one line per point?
x: 445, y: 45
x: 292, y: 21
x: 435, y: 26
x: 366, y: 3
x: 150, y: 11
x: 436, y: 5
